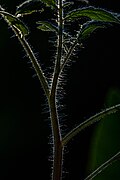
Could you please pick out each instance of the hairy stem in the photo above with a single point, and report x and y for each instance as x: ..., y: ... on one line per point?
x: 57, y: 151
x: 34, y: 61
x: 69, y: 53
x: 57, y: 166
x: 57, y: 161
x: 89, y: 122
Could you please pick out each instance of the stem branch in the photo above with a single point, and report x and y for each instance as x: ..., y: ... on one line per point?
x: 34, y: 61
x: 103, y: 166
x: 69, y: 53
x: 89, y: 122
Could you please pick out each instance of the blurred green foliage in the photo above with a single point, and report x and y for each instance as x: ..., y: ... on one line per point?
x: 106, y: 140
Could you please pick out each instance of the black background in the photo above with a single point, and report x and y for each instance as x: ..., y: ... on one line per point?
x: 25, y: 131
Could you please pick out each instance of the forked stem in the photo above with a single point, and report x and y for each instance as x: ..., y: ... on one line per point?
x: 57, y: 141
x: 57, y: 153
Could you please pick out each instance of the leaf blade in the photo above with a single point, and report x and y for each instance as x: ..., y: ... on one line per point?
x: 49, y: 2
x: 93, y: 13
x: 46, y: 26
x: 29, y: 7
x: 15, y: 22
x: 89, y: 28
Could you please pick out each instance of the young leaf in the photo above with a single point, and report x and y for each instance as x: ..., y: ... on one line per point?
x: 92, y: 13
x: 51, y: 3
x: 46, y: 26
x: 29, y: 7
x: 89, y: 28
x: 13, y: 21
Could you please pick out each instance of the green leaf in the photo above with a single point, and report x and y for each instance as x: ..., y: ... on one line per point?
x: 89, y: 28
x: 28, y: 7
x: 92, y: 13
x: 46, y: 26
x: 31, y: 6
x: 51, y: 3
x: 105, y: 139
x: 13, y: 21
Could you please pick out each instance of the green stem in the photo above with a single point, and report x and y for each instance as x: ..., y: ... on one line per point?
x: 57, y: 166
x: 89, y: 122
x: 103, y: 166
x: 57, y: 161
x: 34, y: 61
x: 69, y: 53
x: 57, y: 151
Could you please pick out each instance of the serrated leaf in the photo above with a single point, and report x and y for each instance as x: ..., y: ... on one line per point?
x: 92, y: 13
x: 31, y: 6
x: 46, y: 26
x: 15, y: 22
x: 89, y: 28
x: 28, y: 7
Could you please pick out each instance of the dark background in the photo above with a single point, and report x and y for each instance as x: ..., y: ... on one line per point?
x: 87, y: 84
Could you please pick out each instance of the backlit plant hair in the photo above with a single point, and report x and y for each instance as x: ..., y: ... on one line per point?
x: 94, y: 18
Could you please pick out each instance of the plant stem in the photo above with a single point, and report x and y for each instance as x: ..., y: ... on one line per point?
x: 69, y: 53
x: 57, y: 166
x: 88, y: 122
x: 103, y: 166
x: 57, y: 151
x: 57, y: 142
x: 34, y: 61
